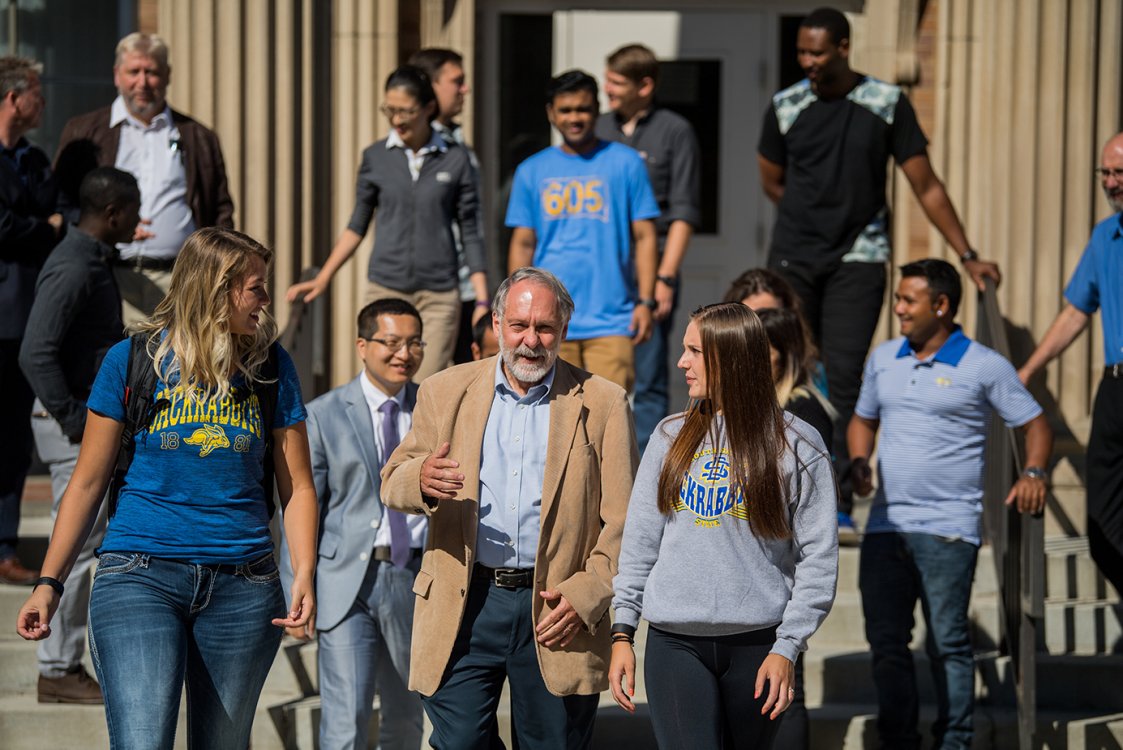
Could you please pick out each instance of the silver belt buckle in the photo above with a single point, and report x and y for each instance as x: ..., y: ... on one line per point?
x: 507, y: 578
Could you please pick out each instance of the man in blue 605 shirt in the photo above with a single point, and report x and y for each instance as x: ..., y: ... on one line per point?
x: 583, y: 210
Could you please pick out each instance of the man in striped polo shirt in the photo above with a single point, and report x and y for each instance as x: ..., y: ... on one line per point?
x: 931, y: 393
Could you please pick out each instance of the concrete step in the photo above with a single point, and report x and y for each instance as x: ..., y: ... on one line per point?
x: 1064, y: 683
x: 986, y: 579
x: 26, y: 724
x: 1083, y: 627
x: 854, y: 727
x: 1082, y: 684
x: 844, y: 628
x: 1070, y: 572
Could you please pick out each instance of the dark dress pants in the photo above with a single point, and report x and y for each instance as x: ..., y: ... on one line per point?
x: 1105, y: 481
x: 496, y: 641
x: 15, y: 457
x: 842, y: 303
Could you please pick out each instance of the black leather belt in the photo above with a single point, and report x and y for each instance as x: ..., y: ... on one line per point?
x: 1114, y: 371
x: 382, y: 553
x: 140, y: 263
x: 506, y: 578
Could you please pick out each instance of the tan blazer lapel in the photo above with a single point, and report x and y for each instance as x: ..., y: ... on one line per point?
x: 472, y: 419
x: 565, y: 411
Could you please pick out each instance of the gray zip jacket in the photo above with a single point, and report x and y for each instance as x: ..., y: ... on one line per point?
x: 701, y: 571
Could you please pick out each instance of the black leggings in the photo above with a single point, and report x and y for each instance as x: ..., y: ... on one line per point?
x: 700, y: 690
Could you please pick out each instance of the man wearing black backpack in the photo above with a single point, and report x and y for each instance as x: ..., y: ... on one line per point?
x: 75, y: 319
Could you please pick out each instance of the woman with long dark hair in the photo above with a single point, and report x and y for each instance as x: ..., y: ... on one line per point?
x: 729, y: 550
x: 186, y: 588
x: 420, y: 186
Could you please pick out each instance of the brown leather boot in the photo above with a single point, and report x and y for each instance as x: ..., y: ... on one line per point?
x: 12, y: 571
x: 72, y: 687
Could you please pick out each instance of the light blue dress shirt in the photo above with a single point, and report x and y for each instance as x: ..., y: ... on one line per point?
x: 512, y: 467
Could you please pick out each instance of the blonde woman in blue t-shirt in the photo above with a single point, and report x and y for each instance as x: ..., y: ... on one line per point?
x: 186, y: 589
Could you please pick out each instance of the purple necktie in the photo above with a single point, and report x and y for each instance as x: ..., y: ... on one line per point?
x: 399, y: 531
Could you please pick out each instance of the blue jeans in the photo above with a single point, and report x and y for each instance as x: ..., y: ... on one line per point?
x: 371, y: 644
x: 155, y: 623
x: 652, y: 398
x: 895, y: 570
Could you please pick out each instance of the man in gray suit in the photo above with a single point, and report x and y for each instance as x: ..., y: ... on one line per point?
x: 368, y: 555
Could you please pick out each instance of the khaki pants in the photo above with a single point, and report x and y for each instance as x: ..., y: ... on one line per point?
x: 141, y: 290
x: 611, y: 357
x: 440, y: 318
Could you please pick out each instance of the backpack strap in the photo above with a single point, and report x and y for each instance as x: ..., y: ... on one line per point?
x: 140, y: 408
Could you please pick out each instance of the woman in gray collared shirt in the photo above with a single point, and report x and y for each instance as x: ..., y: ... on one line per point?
x: 420, y: 185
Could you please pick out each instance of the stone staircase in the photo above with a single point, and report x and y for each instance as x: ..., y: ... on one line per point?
x: 1079, y: 672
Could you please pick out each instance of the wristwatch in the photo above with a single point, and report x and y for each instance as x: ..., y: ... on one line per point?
x: 1034, y: 472
x: 668, y: 280
x: 968, y: 256
x: 650, y: 304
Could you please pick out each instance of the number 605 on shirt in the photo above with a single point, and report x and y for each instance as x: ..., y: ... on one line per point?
x: 574, y: 197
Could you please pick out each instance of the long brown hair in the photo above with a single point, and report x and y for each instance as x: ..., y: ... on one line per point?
x: 739, y: 385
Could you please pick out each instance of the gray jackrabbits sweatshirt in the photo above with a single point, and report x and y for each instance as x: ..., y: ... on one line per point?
x: 702, y: 571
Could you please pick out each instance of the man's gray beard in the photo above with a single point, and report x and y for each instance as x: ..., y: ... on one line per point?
x: 523, y: 372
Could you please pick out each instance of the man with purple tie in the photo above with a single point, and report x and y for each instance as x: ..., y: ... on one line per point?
x: 368, y: 555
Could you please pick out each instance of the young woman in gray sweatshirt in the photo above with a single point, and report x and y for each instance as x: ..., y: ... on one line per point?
x: 730, y: 547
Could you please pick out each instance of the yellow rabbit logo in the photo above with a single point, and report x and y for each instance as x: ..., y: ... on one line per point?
x: 209, y: 437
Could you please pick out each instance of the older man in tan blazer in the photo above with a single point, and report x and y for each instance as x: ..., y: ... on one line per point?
x: 524, y: 465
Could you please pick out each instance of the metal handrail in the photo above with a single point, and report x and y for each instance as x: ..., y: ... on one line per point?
x: 1016, y: 539
x: 304, y: 339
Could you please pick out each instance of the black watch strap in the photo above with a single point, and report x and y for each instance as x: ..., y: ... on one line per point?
x: 968, y: 256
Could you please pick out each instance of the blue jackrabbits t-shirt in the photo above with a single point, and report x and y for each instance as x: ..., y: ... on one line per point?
x: 193, y: 491
x: 581, y: 208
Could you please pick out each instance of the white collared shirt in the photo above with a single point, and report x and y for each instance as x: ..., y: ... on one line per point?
x: 417, y: 523
x: 153, y: 153
x: 417, y: 158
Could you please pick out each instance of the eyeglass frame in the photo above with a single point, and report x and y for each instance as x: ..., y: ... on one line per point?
x: 409, y: 344
x: 1103, y: 173
x: 407, y: 114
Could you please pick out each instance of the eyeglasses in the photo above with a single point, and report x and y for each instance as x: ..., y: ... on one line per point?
x: 415, y: 346
x: 1103, y: 173
x: 405, y: 114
